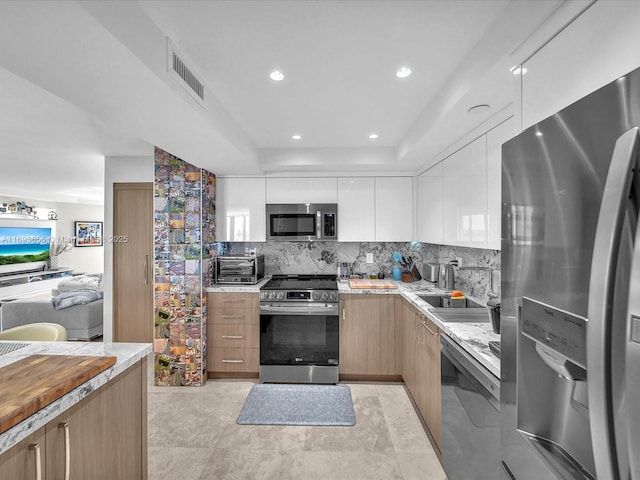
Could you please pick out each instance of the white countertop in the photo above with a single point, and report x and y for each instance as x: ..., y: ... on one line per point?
x: 127, y: 354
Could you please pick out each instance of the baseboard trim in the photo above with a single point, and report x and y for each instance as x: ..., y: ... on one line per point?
x: 232, y: 375
x: 354, y: 377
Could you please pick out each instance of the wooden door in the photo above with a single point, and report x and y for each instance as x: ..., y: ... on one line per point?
x: 367, y: 335
x: 133, y: 262
x: 433, y: 390
x: 421, y: 395
x: 106, y: 431
x: 21, y: 460
x: 409, y: 347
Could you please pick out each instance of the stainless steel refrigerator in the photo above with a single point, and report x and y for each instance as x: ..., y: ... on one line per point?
x: 570, y: 313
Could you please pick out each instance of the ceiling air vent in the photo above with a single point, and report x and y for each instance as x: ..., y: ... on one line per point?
x: 185, y: 75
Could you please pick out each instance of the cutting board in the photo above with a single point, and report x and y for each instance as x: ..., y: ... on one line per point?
x: 32, y: 383
x: 365, y: 283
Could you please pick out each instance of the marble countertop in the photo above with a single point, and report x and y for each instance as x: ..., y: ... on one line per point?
x: 472, y: 337
x: 127, y: 354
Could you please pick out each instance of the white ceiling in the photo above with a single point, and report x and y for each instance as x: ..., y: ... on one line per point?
x: 84, y: 80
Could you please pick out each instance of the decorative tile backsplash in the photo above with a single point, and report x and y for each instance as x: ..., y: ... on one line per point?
x: 474, y: 278
x: 184, y: 214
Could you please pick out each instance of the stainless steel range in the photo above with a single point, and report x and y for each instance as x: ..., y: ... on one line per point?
x: 299, y: 329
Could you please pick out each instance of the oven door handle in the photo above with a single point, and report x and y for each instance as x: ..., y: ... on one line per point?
x: 299, y: 310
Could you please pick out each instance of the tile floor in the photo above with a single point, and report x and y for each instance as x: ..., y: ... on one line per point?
x: 193, y: 435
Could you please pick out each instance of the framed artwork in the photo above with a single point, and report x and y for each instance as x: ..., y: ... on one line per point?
x: 88, y: 234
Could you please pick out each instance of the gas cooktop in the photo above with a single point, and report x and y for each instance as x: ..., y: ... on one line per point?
x: 301, y: 282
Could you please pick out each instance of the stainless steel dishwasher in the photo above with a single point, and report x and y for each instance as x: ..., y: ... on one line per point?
x: 470, y: 416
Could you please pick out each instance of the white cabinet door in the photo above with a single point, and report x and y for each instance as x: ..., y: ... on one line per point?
x: 595, y: 49
x: 240, y: 210
x: 429, y: 206
x: 394, y: 209
x: 356, y: 209
x: 495, y: 139
x: 302, y: 190
x: 465, y: 196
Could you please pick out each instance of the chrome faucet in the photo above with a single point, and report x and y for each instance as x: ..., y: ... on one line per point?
x: 446, y: 276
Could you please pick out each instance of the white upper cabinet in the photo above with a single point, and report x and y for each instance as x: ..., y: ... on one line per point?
x: 595, y: 49
x: 495, y: 138
x: 430, y: 206
x: 356, y: 209
x: 465, y: 196
x: 394, y: 209
x: 240, y: 210
x: 302, y: 190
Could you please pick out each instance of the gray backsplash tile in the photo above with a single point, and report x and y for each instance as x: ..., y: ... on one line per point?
x: 474, y: 278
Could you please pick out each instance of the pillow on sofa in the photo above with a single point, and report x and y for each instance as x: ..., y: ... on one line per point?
x: 69, y: 284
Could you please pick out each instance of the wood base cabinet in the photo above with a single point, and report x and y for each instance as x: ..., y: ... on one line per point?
x: 26, y: 459
x: 233, y: 334
x: 405, y: 315
x: 421, y: 365
x: 428, y: 376
x: 367, y: 332
x: 103, y: 436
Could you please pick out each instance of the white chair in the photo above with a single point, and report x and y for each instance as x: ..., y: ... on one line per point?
x: 48, y: 332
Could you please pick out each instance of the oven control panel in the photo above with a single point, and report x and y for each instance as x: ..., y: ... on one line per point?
x: 299, y: 295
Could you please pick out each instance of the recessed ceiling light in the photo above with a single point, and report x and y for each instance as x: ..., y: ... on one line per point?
x: 538, y: 133
x: 483, y: 107
x: 518, y: 70
x: 373, y: 136
x: 276, y: 76
x: 403, y: 72
x: 296, y: 137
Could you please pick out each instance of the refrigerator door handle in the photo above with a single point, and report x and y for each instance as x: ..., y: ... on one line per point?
x: 601, y: 287
x: 632, y: 363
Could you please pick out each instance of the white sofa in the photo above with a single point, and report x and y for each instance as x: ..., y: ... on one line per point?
x: 83, y: 322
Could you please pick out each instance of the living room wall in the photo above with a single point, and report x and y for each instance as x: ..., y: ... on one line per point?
x: 80, y: 259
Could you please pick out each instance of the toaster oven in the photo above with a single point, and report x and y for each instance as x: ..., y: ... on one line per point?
x: 246, y: 270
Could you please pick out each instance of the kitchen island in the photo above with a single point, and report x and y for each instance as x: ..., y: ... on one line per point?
x: 98, y: 428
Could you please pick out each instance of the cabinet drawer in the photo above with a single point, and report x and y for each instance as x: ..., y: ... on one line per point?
x: 231, y: 301
x: 233, y: 359
x: 237, y: 316
x: 233, y: 336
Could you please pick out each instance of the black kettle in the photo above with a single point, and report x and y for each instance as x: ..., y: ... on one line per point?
x: 494, y: 313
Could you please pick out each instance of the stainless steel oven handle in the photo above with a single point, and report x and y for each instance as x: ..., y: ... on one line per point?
x: 299, y: 310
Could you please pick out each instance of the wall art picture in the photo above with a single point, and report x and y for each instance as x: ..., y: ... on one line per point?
x: 88, y: 234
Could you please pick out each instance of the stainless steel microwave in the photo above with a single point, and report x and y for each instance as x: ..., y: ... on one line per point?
x: 305, y: 222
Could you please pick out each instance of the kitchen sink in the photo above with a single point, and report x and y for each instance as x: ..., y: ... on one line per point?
x: 436, y: 300
x: 462, y: 315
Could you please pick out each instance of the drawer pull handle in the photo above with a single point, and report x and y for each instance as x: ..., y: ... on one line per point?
x: 67, y: 450
x: 36, y: 448
x: 235, y: 337
x: 435, y: 334
x: 232, y: 316
x: 232, y: 361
